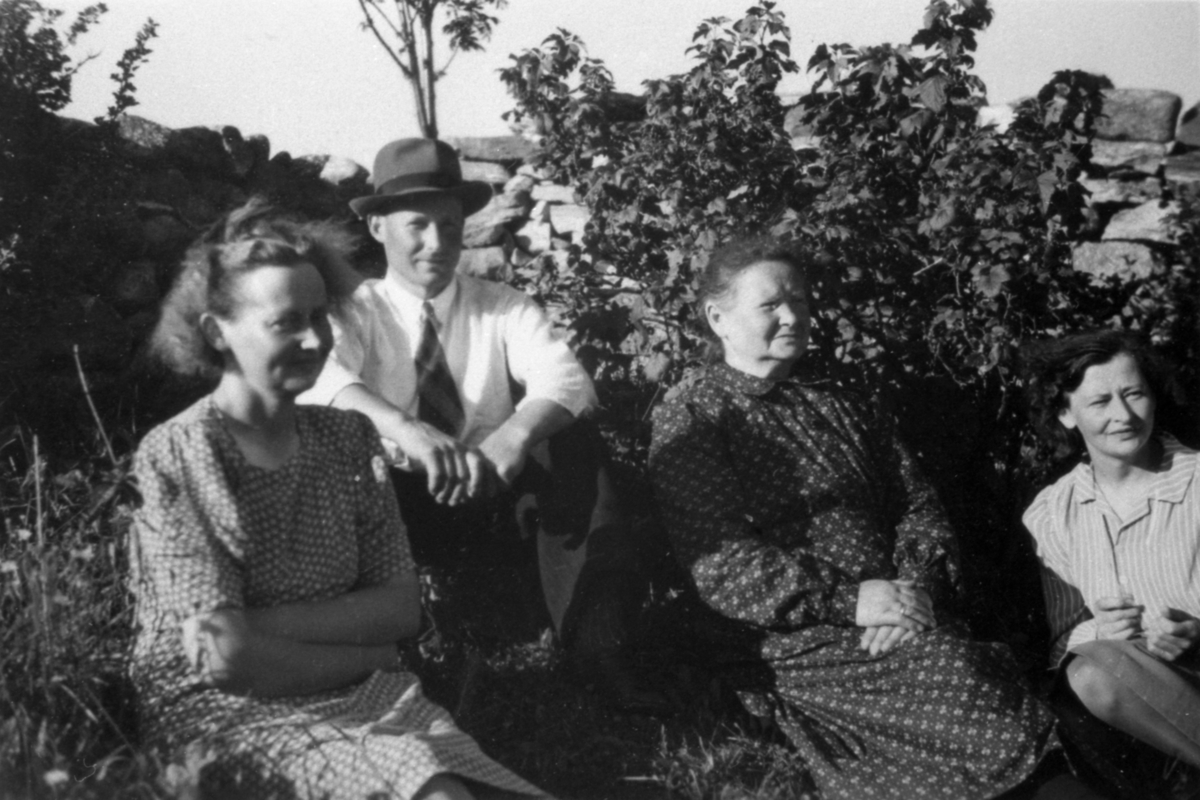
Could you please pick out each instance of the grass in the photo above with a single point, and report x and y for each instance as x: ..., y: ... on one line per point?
x: 67, y: 725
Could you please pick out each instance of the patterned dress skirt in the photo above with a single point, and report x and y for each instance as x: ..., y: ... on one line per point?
x: 937, y: 717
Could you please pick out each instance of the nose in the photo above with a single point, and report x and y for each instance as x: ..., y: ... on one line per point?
x: 435, y: 237
x: 310, y: 338
x: 1122, y: 411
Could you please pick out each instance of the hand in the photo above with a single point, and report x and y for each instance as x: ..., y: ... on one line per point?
x: 1171, y: 634
x: 899, y: 603
x: 212, y: 640
x: 882, y: 638
x: 456, y: 473
x: 1117, y: 618
x: 507, y: 452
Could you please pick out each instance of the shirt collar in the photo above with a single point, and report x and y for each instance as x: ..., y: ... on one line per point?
x: 739, y: 381
x: 1171, y: 481
x: 409, y: 305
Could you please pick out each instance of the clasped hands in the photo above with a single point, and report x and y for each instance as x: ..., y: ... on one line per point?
x: 892, y: 612
x: 1169, y: 634
x: 457, y: 473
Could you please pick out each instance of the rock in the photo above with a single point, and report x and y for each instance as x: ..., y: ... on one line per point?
x: 145, y: 136
x: 135, y: 286
x: 1138, y: 115
x: 165, y: 237
x: 553, y: 193
x: 166, y: 186
x: 520, y: 183
x: 1188, y: 133
x: 534, y: 237
x: 200, y: 150
x: 1184, y: 168
x: 1145, y: 155
x: 261, y: 147
x: 999, y: 116
x: 242, y: 156
x: 493, y: 148
x: 1107, y: 190
x: 338, y: 171
x: 519, y: 200
x: 537, y: 173
x: 482, y: 234
x: 570, y: 219
x: 485, y: 262
x: 540, y: 212
x: 486, y: 171
x: 1121, y: 260
x: 1147, y: 222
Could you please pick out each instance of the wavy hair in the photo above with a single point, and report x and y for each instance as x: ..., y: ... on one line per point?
x: 1053, y: 368
x: 251, y: 236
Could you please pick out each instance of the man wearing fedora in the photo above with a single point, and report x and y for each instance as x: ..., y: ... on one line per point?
x: 476, y: 397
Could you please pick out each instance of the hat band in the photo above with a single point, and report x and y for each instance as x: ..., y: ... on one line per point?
x: 419, y: 180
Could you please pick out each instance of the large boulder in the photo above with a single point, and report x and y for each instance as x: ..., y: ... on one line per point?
x: 1120, y: 260
x: 1136, y: 190
x: 484, y: 262
x: 570, y: 219
x: 1188, y: 133
x: 553, y: 193
x: 486, y: 171
x: 1184, y: 168
x: 1149, y: 222
x: 1143, y: 156
x: 501, y: 149
x: 1138, y: 115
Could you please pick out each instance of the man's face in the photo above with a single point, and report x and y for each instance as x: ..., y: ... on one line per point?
x: 422, y: 238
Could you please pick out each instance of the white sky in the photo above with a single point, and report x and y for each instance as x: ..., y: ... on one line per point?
x: 305, y: 74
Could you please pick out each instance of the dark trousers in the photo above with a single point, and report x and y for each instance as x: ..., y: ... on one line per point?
x: 565, y: 501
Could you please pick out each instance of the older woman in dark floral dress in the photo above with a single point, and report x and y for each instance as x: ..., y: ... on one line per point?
x: 801, y: 516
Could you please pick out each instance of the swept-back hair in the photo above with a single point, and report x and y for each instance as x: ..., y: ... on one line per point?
x: 251, y: 236
x: 729, y: 261
x: 1054, y: 368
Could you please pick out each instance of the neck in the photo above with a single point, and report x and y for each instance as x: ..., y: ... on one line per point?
x: 769, y: 370
x: 1115, y: 472
x: 267, y: 413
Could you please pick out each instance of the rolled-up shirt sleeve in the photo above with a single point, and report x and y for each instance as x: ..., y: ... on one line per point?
x: 540, y: 359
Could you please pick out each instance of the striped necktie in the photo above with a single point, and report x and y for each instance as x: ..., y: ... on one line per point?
x: 438, y: 402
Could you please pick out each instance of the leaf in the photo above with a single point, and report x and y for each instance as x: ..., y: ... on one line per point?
x: 990, y: 280
x: 933, y: 92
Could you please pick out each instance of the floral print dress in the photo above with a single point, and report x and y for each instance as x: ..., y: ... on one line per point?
x: 217, y: 532
x: 780, y: 499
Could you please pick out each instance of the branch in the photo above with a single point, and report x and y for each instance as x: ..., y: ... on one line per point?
x: 431, y: 76
x: 387, y: 48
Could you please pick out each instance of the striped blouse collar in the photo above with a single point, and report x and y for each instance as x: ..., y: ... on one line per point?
x: 1175, y: 473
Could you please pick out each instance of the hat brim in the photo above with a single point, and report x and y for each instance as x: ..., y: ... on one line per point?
x: 473, y: 195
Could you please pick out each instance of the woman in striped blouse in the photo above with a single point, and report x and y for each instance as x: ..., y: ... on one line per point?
x: 1119, y: 539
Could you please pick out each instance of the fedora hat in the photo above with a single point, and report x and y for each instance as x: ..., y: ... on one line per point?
x: 420, y: 166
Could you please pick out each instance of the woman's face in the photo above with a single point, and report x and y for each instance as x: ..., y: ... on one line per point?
x: 1113, y: 409
x: 278, y: 336
x: 763, y: 322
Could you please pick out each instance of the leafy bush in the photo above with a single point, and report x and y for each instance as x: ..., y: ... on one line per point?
x: 937, y: 245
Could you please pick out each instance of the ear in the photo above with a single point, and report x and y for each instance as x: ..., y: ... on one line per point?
x: 375, y: 226
x: 1067, y: 417
x: 210, y: 326
x: 715, y: 317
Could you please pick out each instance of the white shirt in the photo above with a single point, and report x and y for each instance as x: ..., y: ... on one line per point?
x: 1088, y: 552
x: 491, y: 333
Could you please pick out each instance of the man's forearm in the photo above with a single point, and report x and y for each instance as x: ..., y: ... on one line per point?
x: 389, y: 420
x: 536, y: 421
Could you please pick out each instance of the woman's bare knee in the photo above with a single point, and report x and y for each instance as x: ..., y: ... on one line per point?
x: 444, y: 787
x: 1096, y: 688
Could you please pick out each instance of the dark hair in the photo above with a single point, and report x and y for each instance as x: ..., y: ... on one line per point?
x: 1054, y: 368
x: 252, y: 236
x: 729, y: 261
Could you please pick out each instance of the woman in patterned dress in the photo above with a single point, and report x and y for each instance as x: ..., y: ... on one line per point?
x: 803, y: 521
x: 273, y: 577
x: 1119, y: 539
